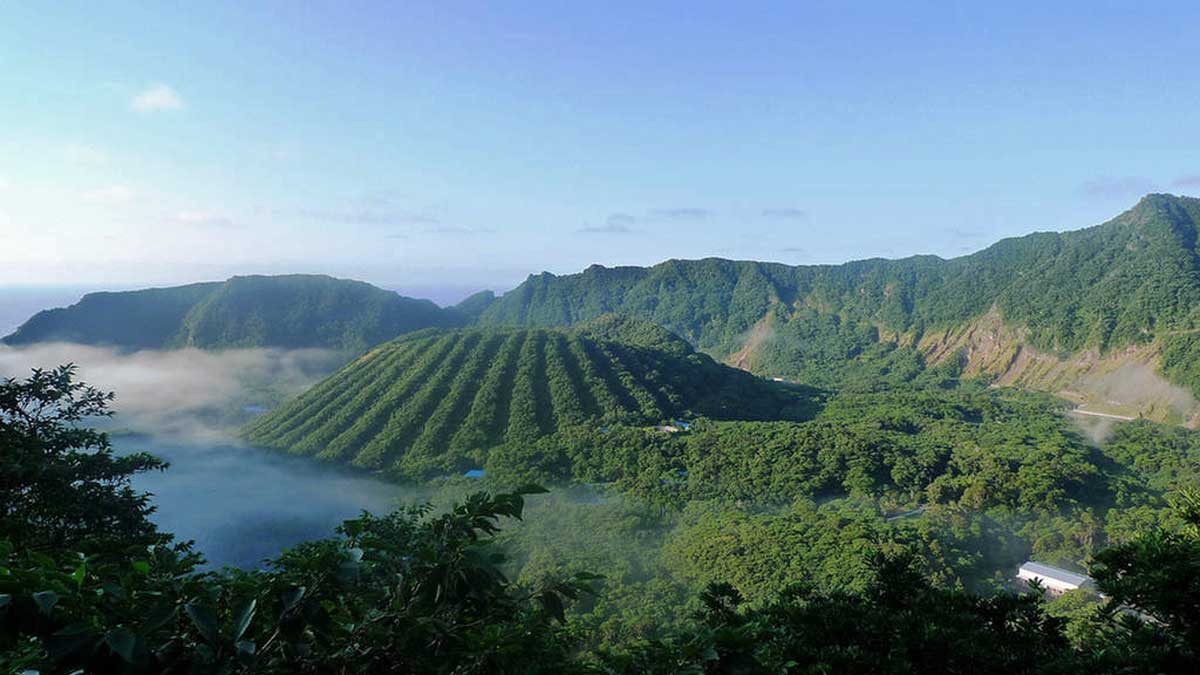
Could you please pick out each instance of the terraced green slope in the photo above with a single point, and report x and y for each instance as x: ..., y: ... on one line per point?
x: 439, y: 400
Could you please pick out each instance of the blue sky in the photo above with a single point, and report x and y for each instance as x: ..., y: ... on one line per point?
x: 445, y: 146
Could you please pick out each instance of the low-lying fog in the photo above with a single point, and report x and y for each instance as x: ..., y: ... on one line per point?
x: 239, y: 504
x: 186, y: 394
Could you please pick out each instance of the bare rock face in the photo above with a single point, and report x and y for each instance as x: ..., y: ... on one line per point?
x: 1122, y: 382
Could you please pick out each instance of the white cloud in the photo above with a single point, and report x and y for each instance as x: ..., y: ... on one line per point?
x: 112, y: 194
x: 157, y: 98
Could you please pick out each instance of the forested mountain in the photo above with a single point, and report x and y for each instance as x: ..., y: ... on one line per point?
x: 1106, y: 316
x: 440, y: 400
x: 471, y: 307
x: 1131, y: 282
x: 252, y: 311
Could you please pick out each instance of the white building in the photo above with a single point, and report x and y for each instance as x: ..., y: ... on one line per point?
x: 1054, y: 579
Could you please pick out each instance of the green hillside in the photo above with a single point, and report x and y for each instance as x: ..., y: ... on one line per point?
x: 253, y: 311
x: 439, y: 400
x: 1130, y: 281
x: 144, y: 319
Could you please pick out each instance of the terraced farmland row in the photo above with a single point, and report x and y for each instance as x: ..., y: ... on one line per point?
x: 437, y: 401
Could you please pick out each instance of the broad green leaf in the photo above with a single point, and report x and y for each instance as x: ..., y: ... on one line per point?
x: 45, y: 600
x: 207, y: 655
x: 122, y: 641
x: 242, y: 622
x: 204, y: 620
x: 158, y: 617
x: 292, y: 597
x: 80, y: 573
x: 553, y: 606
x: 67, y: 641
x: 115, y: 590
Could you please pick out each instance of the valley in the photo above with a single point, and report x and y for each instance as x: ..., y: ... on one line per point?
x: 697, y: 423
x: 624, y: 338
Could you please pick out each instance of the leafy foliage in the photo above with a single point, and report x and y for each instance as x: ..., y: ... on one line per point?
x: 87, y: 582
x: 898, y: 623
x: 1153, y: 581
x: 61, y: 486
x: 829, y: 588
x: 406, y: 592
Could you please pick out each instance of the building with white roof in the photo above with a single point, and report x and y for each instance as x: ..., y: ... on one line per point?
x: 1053, y: 578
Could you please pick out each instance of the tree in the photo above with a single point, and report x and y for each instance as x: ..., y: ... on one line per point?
x: 1153, y: 584
x: 897, y: 624
x: 61, y: 485
x: 87, y: 583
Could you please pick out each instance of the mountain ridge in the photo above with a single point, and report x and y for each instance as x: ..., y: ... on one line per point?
x: 1133, y: 280
x: 285, y: 311
x: 1063, y: 300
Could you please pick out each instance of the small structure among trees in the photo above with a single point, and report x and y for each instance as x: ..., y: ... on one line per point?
x: 1054, y: 579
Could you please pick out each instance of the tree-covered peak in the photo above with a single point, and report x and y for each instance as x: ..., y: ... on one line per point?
x: 440, y: 401
x: 1129, y: 281
x: 295, y: 310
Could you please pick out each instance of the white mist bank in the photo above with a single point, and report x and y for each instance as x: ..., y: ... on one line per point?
x: 238, y: 503
x: 185, y: 394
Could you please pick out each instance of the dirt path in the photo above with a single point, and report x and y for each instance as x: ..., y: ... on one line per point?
x: 1110, y: 416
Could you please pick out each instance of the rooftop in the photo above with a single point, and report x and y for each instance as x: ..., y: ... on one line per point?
x: 1058, y: 573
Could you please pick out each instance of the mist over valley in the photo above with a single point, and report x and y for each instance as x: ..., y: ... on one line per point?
x: 578, y: 339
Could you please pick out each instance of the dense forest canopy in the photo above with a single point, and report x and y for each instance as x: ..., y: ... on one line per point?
x: 88, y: 584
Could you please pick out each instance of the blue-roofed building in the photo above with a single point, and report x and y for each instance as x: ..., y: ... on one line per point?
x: 475, y: 473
